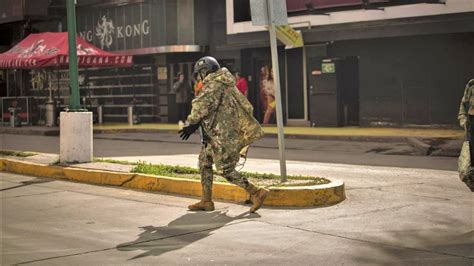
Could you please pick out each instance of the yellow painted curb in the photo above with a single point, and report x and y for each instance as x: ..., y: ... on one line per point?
x: 309, y: 196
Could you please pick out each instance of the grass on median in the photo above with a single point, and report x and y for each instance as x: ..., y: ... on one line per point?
x: 16, y: 153
x: 103, y: 160
x: 257, y: 178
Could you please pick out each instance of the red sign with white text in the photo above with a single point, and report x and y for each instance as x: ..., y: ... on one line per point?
x: 50, y: 49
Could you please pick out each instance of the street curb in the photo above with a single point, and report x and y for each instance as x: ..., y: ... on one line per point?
x: 29, y: 131
x: 55, y: 132
x: 423, y: 148
x: 309, y: 196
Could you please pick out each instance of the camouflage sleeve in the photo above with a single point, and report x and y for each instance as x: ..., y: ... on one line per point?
x: 464, y: 100
x: 205, y: 103
x: 243, y: 101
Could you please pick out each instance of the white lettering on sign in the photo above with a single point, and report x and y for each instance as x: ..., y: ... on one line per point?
x: 86, y: 35
x: 145, y: 27
x: 105, y: 32
x: 128, y: 30
x: 89, y: 36
x: 120, y: 32
x: 136, y: 29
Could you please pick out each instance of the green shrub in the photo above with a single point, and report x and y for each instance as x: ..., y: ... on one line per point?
x: 189, y: 172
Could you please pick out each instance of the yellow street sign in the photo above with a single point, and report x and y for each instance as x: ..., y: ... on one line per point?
x: 290, y: 37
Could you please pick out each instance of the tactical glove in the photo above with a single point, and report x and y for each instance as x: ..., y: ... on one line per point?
x: 188, y: 130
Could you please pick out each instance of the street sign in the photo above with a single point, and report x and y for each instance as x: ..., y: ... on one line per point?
x: 290, y: 37
x: 259, y: 12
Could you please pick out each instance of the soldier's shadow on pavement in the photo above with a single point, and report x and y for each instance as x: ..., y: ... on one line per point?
x: 37, y: 180
x: 189, y: 228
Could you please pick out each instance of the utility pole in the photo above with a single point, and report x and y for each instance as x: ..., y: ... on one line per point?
x: 74, y: 104
x: 75, y: 128
x: 276, y: 82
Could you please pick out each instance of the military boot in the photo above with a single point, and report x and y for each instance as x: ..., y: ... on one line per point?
x: 202, y: 206
x: 205, y: 204
x: 258, y: 197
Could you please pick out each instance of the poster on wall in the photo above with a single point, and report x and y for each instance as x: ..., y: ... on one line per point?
x: 266, y: 96
x: 162, y: 73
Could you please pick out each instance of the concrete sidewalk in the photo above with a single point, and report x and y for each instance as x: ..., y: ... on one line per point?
x: 392, y: 215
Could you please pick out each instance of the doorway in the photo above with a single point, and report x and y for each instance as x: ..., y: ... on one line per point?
x: 173, y: 69
x: 296, y: 92
x: 334, y: 91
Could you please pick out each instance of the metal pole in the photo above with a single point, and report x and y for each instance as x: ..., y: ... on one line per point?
x: 100, y: 118
x: 276, y: 84
x: 8, y: 83
x: 74, y: 105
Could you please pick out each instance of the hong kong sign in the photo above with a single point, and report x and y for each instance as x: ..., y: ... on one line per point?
x: 121, y: 28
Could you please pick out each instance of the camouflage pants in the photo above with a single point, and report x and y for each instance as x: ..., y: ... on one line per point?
x: 228, y: 172
x: 466, y: 171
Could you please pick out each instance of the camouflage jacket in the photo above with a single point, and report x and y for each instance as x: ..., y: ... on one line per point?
x: 467, y: 102
x: 226, y: 116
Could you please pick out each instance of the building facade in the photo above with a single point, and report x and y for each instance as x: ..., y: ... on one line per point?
x: 165, y: 37
x: 367, y: 63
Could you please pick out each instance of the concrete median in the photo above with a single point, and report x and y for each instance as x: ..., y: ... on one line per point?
x: 295, y: 196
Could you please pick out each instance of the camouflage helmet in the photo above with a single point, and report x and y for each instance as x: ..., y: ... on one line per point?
x: 204, y: 66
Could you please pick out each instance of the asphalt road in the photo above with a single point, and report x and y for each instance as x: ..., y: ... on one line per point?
x: 339, y: 152
x: 413, y: 220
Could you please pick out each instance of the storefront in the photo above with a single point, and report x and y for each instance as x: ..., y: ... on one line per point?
x: 45, y: 57
x: 162, y: 35
x: 390, y: 63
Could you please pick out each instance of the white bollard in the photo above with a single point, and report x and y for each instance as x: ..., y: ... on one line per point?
x: 75, y: 137
x: 130, y: 115
x: 50, y: 114
x: 100, y: 114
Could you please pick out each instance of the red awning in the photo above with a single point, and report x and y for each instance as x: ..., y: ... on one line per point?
x: 50, y: 49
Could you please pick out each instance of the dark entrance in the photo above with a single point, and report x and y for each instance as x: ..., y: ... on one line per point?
x: 334, y: 91
x: 295, y: 89
x: 173, y: 70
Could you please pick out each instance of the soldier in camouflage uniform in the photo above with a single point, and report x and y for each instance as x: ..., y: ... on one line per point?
x: 466, y: 121
x: 227, y: 122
